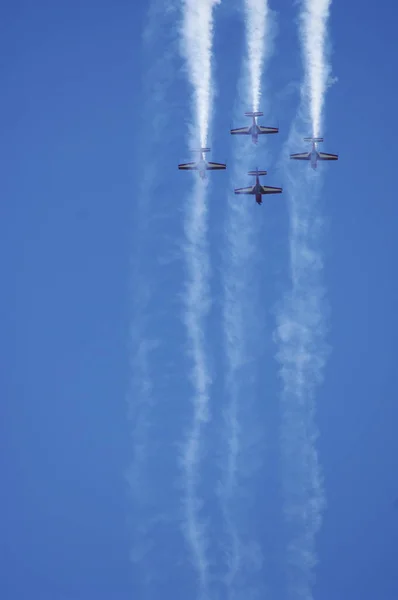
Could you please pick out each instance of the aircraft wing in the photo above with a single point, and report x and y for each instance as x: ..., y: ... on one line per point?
x: 302, y: 156
x: 212, y: 166
x: 268, y: 129
x: 324, y: 156
x: 241, y: 130
x: 246, y: 190
x: 188, y: 166
x: 265, y: 189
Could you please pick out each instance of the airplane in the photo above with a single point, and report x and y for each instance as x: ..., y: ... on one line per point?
x: 257, y: 189
x: 313, y: 155
x: 254, y: 130
x: 202, y: 165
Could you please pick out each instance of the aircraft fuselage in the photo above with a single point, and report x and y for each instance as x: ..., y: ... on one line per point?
x: 254, y: 131
x: 257, y: 190
x: 314, y: 157
x: 202, y: 167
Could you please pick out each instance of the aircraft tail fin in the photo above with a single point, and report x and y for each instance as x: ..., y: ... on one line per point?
x: 257, y: 172
x: 254, y: 114
x: 313, y: 139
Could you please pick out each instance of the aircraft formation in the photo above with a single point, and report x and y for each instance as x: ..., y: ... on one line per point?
x: 254, y: 130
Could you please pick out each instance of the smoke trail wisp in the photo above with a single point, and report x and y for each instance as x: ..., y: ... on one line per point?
x: 196, y: 305
x: 301, y: 321
x: 197, y: 35
x: 240, y: 321
x: 159, y: 50
x: 237, y: 305
x: 302, y: 353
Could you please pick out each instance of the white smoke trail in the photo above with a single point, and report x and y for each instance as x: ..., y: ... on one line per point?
x: 313, y: 19
x: 257, y: 19
x: 157, y: 80
x: 236, y: 310
x: 196, y: 306
x: 197, y: 32
x: 197, y: 36
x: 301, y: 321
x: 302, y: 354
x: 241, y: 318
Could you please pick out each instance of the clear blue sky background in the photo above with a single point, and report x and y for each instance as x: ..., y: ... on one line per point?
x: 93, y: 123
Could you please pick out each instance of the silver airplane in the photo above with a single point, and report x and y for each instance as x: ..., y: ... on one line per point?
x: 254, y: 129
x: 257, y: 189
x: 202, y: 165
x: 313, y: 155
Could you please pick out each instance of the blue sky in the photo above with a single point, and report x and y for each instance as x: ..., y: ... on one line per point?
x: 95, y: 110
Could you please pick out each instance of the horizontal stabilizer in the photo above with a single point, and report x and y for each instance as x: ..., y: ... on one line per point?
x: 200, y: 149
x: 257, y: 172
x: 312, y: 139
x: 254, y: 114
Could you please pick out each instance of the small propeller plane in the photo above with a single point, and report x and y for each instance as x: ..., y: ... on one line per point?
x: 313, y: 155
x: 202, y: 165
x: 257, y: 189
x: 254, y: 129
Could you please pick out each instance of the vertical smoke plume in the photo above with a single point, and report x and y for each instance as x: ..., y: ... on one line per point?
x: 197, y: 35
x: 240, y: 321
x: 302, y: 354
x: 196, y: 304
x: 237, y: 307
x: 257, y: 13
x: 301, y: 320
x: 158, y: 33
x: 314, y: 18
